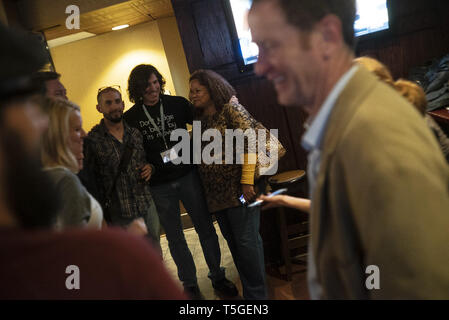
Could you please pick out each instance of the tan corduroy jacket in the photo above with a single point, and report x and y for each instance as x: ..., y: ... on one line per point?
x: 382, y: 199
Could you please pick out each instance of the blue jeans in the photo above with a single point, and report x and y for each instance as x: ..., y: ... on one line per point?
x: 189, y: 190
x: 153, y: 226
x: 240, y: 228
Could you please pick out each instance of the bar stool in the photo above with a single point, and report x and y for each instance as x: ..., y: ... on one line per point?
x: 292, y: 236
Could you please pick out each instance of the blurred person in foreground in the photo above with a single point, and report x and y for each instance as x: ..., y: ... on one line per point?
x: 379, y: 185
x: 35, y: 262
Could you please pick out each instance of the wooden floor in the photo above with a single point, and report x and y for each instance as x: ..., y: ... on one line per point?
x: 278, y: 287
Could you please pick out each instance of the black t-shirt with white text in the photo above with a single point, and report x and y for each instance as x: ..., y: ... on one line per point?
x: 177, y: 113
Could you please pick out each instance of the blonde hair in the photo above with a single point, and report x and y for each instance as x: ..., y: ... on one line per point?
x: 376, y: 67
x: 408, y: 89
x: 413, y: 93
x: 55, y: 149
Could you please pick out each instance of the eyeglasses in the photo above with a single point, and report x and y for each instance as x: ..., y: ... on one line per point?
x: 115, y: 86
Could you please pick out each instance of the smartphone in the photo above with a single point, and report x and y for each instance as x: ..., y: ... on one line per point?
x: 259, y: 202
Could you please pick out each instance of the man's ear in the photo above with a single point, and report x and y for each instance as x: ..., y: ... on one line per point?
x: 332, y: 34
x: 99, y: 108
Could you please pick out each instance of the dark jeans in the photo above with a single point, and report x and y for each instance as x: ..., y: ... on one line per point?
x: 154, y: 226
x: 240, y: 228
x: 188, y: 189
x: 152, y: 223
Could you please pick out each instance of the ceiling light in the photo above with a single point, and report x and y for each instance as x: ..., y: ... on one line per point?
x: 70, y: 38
x: 123, y: 26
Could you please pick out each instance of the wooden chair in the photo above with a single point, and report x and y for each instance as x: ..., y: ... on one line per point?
x: 292, y: 236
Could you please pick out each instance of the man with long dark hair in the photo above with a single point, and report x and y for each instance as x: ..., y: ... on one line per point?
x: 156, y: 115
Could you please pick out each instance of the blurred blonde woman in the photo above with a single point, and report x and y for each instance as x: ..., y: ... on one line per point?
x: 62, y: 149
x: 413, y: 93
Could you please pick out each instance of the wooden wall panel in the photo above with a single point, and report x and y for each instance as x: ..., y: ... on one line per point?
x: 189, y: 35
x: 216, y: 45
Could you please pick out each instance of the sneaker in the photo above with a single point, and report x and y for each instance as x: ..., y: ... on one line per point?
x: 194, y: 293
x: 225, y: 287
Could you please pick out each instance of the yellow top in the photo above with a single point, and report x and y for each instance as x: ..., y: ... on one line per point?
x: 248, y: 168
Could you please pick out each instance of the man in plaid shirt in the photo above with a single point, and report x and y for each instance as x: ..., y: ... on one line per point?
x: 104, y: 147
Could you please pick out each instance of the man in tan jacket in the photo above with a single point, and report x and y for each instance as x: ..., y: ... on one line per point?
x: 379, y: 183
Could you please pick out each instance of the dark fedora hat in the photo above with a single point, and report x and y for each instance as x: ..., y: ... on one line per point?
x: 21, y: 54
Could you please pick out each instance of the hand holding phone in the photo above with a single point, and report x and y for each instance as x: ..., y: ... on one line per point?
x: 259, y: 202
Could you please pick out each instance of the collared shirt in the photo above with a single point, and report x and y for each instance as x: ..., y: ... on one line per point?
x: 103, y: 153
x: 312, y: 142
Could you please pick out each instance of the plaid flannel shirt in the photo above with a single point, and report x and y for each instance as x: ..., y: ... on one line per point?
x: 102, y: 156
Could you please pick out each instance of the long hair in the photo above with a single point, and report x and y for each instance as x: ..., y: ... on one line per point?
x: 413, y: 93
x: 138, y: 81
x: 408, y: 89
x: 219, y: 89
x: 55, y: 142
x: 376, y: 67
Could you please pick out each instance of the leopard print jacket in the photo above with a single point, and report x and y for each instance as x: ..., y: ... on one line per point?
x: 222, y: 181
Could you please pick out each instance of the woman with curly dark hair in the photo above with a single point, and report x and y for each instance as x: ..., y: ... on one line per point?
x: 226, y: 185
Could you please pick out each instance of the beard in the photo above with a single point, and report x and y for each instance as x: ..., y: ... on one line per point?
x: 115, y: 119
x: 30, y: 193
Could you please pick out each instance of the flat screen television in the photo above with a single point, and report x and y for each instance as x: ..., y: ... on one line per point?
x: 372, y: 16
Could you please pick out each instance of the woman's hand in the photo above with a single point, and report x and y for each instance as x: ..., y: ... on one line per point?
x: 272, y: 202
x: 248, y: 192
x: 285, y: 201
